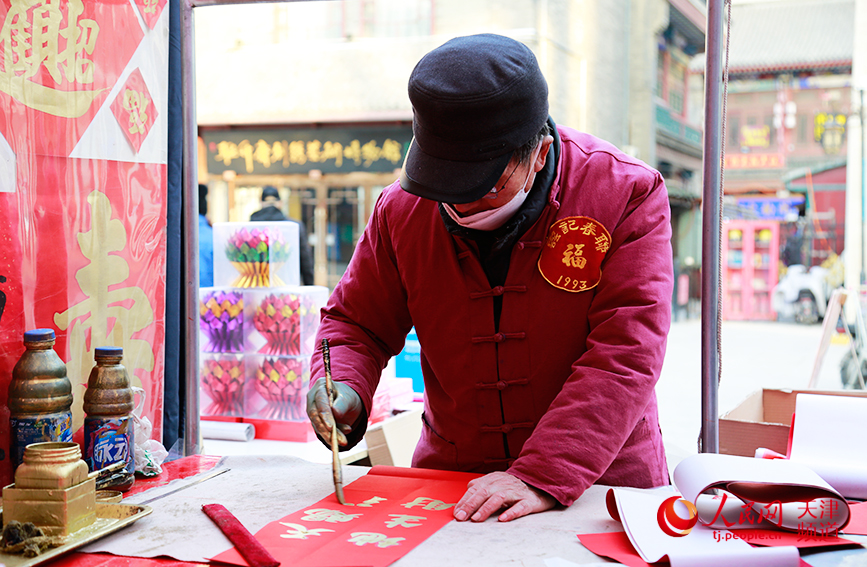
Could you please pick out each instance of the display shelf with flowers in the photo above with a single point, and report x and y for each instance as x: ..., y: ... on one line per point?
x: 277, y: 387
x: 222, y: 379
x: 285, y: 320
x: 256, y: 254
x: 221, y: 320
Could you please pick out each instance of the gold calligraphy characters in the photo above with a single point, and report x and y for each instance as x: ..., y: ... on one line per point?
x: 36, y: 36
x: 299, y: 152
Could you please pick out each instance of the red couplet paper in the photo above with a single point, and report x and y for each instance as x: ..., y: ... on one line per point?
x: 616, y: 545
x: 389, y: 512
x: 857, y: 520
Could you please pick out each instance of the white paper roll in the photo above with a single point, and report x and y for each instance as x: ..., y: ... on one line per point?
x: 227, y: 430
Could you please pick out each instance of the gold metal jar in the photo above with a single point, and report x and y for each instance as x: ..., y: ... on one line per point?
x: 51, y: 465
x: 52, y: 490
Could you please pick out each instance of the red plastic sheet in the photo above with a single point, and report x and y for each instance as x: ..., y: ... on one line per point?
x: 83, y: 88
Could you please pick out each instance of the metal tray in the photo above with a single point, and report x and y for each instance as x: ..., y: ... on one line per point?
x: 109, y: 519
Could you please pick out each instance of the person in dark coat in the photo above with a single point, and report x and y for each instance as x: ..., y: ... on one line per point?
x: 270, y: 211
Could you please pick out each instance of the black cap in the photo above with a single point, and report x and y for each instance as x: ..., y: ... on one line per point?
x: 99, y: 352
x: 270, y: 191
x: 38, y: 335
x: 475, y: 100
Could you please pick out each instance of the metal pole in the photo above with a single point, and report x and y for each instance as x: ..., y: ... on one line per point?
x: 191, y: 232
x: 863, y: 211
x: 711, y: 191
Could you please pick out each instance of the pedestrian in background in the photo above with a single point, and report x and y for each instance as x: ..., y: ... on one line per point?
x: 206, y: 241
x: 271, y: 211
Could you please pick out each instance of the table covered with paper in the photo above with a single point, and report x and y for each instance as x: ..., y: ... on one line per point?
x: 721, y: 510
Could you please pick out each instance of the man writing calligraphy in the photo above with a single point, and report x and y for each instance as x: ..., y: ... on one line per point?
x: 535, y: 263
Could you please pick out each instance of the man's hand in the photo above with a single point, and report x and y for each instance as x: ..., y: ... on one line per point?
x: 347, y: 408
x: 498, y: 490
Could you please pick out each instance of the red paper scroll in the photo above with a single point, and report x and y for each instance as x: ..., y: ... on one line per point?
x: 393, y: 510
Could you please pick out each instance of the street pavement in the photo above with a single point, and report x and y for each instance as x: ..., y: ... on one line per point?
x: 755, y: 355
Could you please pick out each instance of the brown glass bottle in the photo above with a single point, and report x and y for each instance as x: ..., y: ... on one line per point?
x: 40, y: 396
x: 108, y: 423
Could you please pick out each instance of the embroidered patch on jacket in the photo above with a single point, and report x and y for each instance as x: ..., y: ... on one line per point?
x: 572, y: 253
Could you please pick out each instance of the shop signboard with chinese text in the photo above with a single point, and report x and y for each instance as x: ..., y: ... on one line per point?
x: 83, y: 187
x: 829, y: 130
x: 755, y: 136
x: 772, y: 208
x: 285, y: 151
x: 754, y: 161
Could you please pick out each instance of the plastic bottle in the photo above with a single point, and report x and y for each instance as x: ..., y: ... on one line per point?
x: 108, y: 425
x: 40, y: 396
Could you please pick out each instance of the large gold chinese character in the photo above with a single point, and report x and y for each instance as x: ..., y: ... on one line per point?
x: 298, y: 531
x: 297, y: 153
x: 136, y: 103
x: 380, y: 540
x: 112, y: 314
x: 245, y: 150
x: 428, y: 504
x: 404, y: 521
x: 262, y: 153
x: 370, y: 502
x: 325, y: 515
x: 314, y: 151
x: 333, y: 150
x: 391, y: 150
x: 371, y: 153
x: 150, y: 6
x: 280, y: 152
x: 30, y: 40
x: 353, y: 152
x: 226, y: 152
x: 573, y: 256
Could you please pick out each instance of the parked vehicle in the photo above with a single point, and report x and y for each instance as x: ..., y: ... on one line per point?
x: 802, y: 294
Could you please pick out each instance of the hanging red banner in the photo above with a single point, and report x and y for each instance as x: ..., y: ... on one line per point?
x: 83, y: 198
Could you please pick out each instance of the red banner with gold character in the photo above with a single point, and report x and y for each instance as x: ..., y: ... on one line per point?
x: 388, y: 512
x: 83, y: 88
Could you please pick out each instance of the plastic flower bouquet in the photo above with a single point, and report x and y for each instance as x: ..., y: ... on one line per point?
x: 257, y: 254
x: 222, y: 379
x: 282, y: 383
x: 221, y: 318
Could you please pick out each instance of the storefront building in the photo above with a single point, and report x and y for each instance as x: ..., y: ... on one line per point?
x: 328, y: 178
x: 328, y: 75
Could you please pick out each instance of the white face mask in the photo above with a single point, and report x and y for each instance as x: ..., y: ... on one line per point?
x: 492, y: 219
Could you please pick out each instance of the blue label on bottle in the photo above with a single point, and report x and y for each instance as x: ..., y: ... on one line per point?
x: 43, y: 429
x: 108, y: 441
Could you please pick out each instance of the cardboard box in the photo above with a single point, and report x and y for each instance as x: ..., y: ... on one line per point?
x: 392, y: 442
x: 764, y: 420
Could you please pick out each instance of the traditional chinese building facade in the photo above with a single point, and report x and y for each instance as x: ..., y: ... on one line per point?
x: 311, y: 97
x: 788, y: 108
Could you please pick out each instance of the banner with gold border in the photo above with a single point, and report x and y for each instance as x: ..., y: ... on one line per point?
x: 83, y: 152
